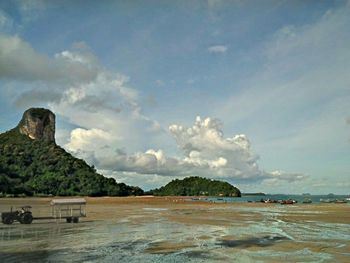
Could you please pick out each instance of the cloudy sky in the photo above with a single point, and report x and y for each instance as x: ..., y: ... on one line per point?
x: 256, y: 93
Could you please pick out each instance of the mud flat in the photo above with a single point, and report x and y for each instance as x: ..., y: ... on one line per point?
x: 176, y: 229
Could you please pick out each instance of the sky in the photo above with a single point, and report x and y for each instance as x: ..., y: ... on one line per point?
x: 256, y: 93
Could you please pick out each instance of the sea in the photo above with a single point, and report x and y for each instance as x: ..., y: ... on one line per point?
x: 256, y: 198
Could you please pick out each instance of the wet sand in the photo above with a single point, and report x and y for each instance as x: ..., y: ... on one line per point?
x: 174, y: 229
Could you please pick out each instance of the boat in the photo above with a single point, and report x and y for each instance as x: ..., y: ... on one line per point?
x: 288, y: 202
x: 327, y: 200
x: 340, y: 201
x: 307, y: 201
x: 270, y: 201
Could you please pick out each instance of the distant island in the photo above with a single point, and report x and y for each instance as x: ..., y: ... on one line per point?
x: 31, y: 163
x: 197, y: 186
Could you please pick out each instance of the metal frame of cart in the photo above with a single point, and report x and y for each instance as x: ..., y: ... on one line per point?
x: 69, y: 209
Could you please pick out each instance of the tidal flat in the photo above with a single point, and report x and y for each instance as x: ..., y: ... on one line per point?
x: 171, y: 229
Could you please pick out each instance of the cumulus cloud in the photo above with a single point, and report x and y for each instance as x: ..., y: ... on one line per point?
x: 107, y: 104
x: 106, y: 92
x: 18, y: 60
x: 205, y: 152
x: 110, y: 105
x: 151, y: 162
x: 64, y: 78
x: 93, y: 139
x: 205, y: 147
x: 218, y: 49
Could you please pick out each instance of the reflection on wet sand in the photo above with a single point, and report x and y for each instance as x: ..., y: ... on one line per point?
x: 264, y: 241
x: 153, y: 229
x: 166, y: 247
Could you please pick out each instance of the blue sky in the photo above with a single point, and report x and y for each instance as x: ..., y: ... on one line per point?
x: 269, y: 79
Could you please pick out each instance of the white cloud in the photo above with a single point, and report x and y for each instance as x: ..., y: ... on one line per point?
x: 73, y: 57
x: 82, y: 139
x: 204, y: 146
x: 205, y: 152
x: 218, y: 49
x: 105, y: 105
x: 18, y: 60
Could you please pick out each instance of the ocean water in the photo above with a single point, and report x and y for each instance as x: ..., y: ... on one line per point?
x: 159, y: 234
x: 256, y: 198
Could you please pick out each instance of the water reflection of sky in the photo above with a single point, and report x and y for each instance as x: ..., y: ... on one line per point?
x: 257, y: 198
x: 137, y: 238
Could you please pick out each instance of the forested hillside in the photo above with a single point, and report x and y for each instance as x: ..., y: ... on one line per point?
x: 195, y: 186
x: 38, y: 167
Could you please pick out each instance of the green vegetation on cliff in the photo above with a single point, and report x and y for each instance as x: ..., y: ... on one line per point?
x: 195, y: 186
x: 35, y: 167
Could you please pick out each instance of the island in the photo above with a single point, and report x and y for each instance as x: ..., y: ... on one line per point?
x: 197, y: 186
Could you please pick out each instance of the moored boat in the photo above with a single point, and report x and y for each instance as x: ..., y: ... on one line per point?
x: 340, y: 201
x: 307, y: 201
x: 270, y: 201
x: 288, y: 202
x: 326, y: 200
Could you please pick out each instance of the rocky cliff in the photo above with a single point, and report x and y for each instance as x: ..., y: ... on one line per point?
x: 38, y: 124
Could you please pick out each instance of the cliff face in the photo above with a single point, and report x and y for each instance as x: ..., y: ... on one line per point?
x: 38, y: 124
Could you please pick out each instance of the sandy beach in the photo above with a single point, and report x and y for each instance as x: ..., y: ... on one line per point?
x: 175, y: 229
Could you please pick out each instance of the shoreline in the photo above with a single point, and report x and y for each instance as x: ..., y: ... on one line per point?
x: 99, y: 207
x: 139, y: 228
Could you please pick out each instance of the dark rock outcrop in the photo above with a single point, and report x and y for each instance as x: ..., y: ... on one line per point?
x: 38, y: 124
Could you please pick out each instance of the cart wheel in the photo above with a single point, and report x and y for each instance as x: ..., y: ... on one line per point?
x: 69, y: 220
x: 75, y: 219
